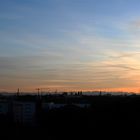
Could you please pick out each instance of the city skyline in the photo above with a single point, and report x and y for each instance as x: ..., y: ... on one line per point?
x: 70, y: 45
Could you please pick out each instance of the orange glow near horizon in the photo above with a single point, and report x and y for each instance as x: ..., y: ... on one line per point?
x: 70, y: 46
x: 33, y: 89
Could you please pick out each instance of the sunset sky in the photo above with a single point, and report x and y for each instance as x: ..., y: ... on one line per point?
x: 70, y: 45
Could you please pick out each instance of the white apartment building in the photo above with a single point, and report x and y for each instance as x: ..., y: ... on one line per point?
x: 24, y: 112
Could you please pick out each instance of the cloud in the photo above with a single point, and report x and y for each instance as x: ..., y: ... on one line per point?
x: 82, y: 61
x: 136, y: 24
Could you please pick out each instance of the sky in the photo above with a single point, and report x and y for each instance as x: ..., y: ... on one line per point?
x: 70, y: 45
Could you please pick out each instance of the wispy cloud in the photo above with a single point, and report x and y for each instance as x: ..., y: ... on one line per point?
x: 67, y: 50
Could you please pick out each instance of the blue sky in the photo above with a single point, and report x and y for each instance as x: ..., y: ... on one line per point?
x: 69, y: 44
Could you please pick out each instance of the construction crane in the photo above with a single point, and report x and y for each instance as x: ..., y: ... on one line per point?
x: 46, y: 89
x: 38, y: 91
